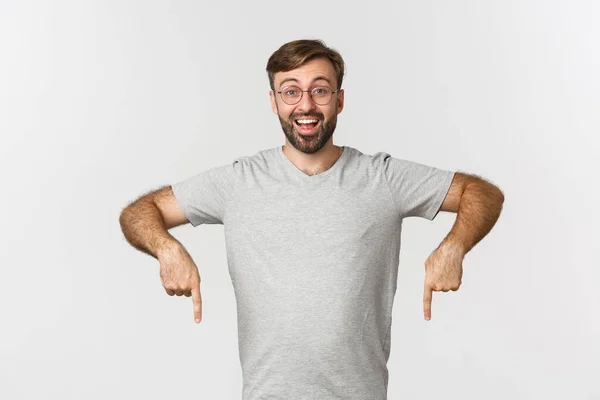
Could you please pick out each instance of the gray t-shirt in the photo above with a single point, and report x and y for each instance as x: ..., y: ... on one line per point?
x: 314, y: 265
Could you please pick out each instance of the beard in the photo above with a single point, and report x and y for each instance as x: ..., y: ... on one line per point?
x: 308, y: 144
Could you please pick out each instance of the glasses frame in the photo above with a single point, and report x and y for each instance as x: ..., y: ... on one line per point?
x: 309, y: 94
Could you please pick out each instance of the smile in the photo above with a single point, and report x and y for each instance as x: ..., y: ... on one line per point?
x: 307, y: 126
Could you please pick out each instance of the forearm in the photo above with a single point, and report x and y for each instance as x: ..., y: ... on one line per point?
x: 145, y: 229
x: 479, y: 208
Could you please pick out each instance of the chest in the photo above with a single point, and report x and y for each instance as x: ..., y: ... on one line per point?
x: 310, y: 222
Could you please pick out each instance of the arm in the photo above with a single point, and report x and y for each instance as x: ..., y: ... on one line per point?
x: 145, y: 224
x: 478, y: 204
x: 146, y: 221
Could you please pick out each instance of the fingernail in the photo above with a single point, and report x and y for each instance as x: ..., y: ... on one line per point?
x: 197, y: 320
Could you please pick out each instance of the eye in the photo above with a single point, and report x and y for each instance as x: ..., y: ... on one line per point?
x: 320, y: 91
x: 290, y: 92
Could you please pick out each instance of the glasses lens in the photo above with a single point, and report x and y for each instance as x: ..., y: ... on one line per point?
x: 291, y: 94
x: 321, y: 95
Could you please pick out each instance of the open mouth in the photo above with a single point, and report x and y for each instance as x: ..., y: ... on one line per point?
x: 307, y: 126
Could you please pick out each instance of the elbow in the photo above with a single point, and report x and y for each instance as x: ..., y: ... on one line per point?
x: 495, y: 192
x: 499, y: 194
x: 124, y: 216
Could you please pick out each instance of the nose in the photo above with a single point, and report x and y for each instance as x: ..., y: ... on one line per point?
x: 306, y: 103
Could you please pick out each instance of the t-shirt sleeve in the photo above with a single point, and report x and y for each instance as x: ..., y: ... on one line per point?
x: 203, y: 198
x: 418, y: 190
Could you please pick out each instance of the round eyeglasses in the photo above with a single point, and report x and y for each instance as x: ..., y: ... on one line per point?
x: 320, y: 95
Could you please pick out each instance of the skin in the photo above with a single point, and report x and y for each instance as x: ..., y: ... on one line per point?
x: 145, y: 224
x: 315, y: 153
x: 477, y: 203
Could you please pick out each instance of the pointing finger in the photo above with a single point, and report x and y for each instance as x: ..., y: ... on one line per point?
x: 197, y: 300
x: 427, y: 296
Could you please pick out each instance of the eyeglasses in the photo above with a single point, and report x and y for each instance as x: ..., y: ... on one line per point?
x: 320, y: 95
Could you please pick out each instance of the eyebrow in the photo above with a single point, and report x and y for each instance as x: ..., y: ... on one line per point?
x: 318, y: 78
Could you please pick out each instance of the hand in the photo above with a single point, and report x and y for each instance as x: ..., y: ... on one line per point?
x: 443, y: 272
x: 179, y: 276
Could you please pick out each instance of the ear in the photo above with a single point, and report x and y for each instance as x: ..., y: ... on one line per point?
x: 340, y: 101
x: 273, y: 101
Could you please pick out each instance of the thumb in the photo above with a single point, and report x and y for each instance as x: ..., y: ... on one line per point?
x: 197, y: 300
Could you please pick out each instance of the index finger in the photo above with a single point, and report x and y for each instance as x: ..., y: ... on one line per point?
x: 197, y: 301
x: 427, y: 296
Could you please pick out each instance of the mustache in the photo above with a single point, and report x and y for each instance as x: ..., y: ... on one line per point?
x: 310, y: 114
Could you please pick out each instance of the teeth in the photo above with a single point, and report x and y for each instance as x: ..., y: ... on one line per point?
x: 307, y: 121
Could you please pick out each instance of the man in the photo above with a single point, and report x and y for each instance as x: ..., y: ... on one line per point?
x: 312, y: 234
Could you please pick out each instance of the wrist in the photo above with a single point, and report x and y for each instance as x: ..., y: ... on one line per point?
x: 168, y: 248
x: 452, y: 245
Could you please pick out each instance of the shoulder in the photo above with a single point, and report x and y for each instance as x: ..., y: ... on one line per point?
x: 381, y: 161
x: 365, y: 159
x: 252, y: 164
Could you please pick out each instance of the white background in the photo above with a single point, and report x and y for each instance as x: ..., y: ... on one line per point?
x: 101, y: 102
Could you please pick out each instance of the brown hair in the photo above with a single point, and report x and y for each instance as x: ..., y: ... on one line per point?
x: 293, y: 54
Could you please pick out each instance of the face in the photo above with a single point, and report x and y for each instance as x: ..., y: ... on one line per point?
x: 308, y: 138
